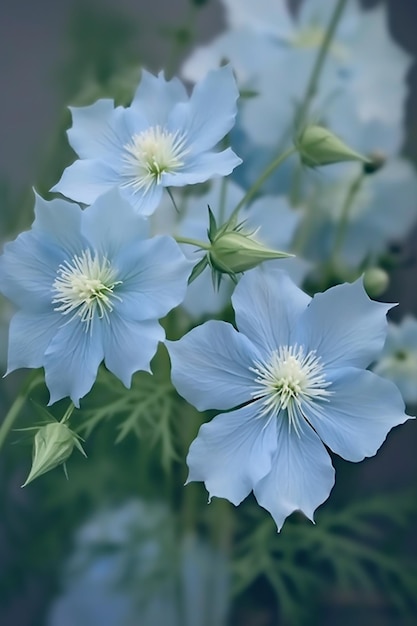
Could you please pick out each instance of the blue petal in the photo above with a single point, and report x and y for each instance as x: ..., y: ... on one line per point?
x: 29, y: 336
x: 358, y: 415
x: 199, y: 168
x: 144, y: 202
x: 130, y: 346
x: 274, y: 220
x: 344, y: 326
x: 267, y: 304
x: 301, y: 477
x: 92, y: 134
x: 211, y: 366
x: 84, y: 181
x: 210, y: 113
x: 202, y: 298
x: 155, y: 97
x: 29, y: 264
x: 111, y: 224
x: 232, y: 453
x: 72, y: 359
x: 264, y: 16
x: 27, y: 272
x: 154, y: 276
x: 60, y: 221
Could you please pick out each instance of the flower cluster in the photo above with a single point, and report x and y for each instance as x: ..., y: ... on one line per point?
x: 91, y: 283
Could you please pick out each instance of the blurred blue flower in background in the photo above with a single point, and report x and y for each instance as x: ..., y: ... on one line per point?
x: 163, y: 139
x: 362, y: 88
x: 381, y: 211
x: 128, y: 569
x: 89, y: 286
x: 294, y: 375
x: 398, y: 360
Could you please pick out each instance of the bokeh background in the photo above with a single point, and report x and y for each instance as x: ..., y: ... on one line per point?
x: 59, y: 52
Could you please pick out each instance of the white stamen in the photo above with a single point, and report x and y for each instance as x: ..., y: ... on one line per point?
x: 84, y: 286
x: 150, y: 154
x: 287, y: 380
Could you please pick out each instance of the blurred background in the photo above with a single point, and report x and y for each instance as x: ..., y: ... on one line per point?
x: 68, y: 52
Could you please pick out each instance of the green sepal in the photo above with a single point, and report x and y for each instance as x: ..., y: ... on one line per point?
x: 198, y: 269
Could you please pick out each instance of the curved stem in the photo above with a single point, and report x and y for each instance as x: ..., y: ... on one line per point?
x: 318, y: 65
x: 193, y: 242
x: 17, y: 406
x: 262, y: 178
x: 344, y: 216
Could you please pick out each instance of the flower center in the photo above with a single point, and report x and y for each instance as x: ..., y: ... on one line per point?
x: 150, y: 154
x: 84, y: 287
x: 289, y: 380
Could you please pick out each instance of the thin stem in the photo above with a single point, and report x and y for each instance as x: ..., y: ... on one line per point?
x: 344, y: 216
x: 252, y: 191
x: 312, y: 85
x: 222, y: 200
x: 17, y: 406
x: 193, y: 242
x: 68, y: 413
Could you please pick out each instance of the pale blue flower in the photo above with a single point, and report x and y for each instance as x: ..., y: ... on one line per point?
x: 163, y: 139
x: 292, y: 379
x: 398, y: 360
x: 89, y: 287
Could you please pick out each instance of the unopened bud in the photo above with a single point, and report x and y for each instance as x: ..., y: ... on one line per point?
x: 234, y: 251
x: 375, y: 281
x: 319, y: 146
x: 52, y: 446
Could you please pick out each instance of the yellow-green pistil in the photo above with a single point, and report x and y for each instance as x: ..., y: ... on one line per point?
x: 84, y: 287
x: 289, y: 380
x: 150, y: 154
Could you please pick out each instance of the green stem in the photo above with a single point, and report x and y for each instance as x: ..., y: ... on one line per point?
x: 17, y: 406
x: 252, y: 191
x: 222, y: 200
x: 344, y: 216
x: 312, y: 85
x: 68, y: 413
x: 193, y: 242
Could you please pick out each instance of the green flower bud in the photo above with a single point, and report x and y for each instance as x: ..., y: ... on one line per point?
x: 375, y: 281
x: 233, y: 252
x: 319, y: 146
x: 52, y: 446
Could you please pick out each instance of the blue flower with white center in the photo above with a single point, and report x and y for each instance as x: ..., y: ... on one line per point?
x: 90, y: 286
x: 292, y: 379
x: 163, y: 139
x: 398, y: 360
